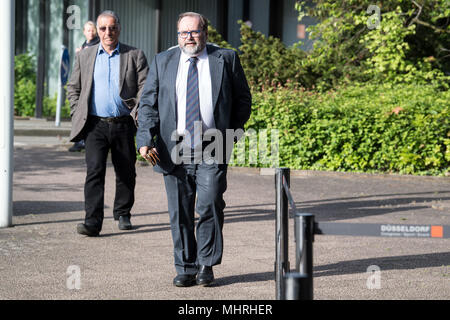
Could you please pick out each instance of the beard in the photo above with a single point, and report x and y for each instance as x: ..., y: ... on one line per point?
x: 193, y: 51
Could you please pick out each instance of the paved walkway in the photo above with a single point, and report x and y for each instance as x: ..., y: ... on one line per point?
x: 42, y: 252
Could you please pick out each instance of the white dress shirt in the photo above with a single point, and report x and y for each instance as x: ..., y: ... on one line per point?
x: 205, y: 91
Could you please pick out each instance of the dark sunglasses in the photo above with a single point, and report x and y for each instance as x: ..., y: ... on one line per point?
x: 112, y: 29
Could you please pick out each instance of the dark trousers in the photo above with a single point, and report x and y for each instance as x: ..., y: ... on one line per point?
x: 100, y: 138
x: 205, y: 246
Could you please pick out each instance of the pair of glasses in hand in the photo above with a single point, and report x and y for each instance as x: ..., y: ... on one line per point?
x: 152, y: 157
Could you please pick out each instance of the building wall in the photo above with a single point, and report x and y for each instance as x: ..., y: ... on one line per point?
x: 54, y: 37
x: 33, y: 26
x: 170, y: 9
x: 235, y: 13
x: 260, y: 15
x: 138, y: 21
x: 76, y: 36
x: 151, y: 24
x: 290, y: 23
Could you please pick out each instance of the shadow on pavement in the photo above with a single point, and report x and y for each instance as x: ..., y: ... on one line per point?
x: 244, y: 278
x: 339, y: 209
x: 325, y: 210
x: 21, y: 208
x: 47, y: 158
x: 385, y: 263
x: 134, y: 230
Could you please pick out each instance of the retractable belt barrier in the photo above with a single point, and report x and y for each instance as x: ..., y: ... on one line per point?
x: 382, y: 230
x: 298, y: 285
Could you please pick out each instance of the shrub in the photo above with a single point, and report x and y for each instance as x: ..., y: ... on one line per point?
x: 25, y: 91
x: 216, y: 38
x: 49, y: 107
x: 407, y: 45
x: 267, y: 62
x: 24, y: 85
x: 364, y: 128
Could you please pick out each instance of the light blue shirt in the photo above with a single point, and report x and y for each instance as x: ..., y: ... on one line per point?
x: 106, y: 101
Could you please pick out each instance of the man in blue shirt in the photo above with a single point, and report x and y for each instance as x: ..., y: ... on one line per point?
x: 106, y: 101
x: 104, y: 92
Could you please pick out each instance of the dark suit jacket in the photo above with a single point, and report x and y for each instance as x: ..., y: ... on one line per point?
x: 157, y: 118
x: 133, y: 72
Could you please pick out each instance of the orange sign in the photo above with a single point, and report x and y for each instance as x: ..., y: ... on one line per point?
x: 437, y: 231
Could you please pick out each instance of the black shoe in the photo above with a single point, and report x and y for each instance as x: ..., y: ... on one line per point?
x: 77, y: 147
x: 184, y: 280
x: 205, y: 276
x: 125, y: 223
x: 87, y: 230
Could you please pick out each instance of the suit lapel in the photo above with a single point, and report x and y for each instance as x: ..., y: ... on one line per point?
x: 123, y: 64
x: 172, y: 70
x: 90, y: 66
x: 216, y: 70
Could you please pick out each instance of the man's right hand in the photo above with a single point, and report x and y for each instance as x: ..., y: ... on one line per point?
x: 151, y: 157
x: 143, y: 151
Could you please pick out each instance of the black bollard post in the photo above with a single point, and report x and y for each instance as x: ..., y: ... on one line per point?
x: 296, y: 285
x: 304, y: 235
x: 281, y: 231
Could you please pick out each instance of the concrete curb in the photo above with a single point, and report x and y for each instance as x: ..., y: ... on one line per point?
x: 309, y: 173
x: 42, y: 133
x: 40, y: 127
x: 45, y: 127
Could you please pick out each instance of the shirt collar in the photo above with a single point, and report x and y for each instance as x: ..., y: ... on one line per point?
x: 115, y: 51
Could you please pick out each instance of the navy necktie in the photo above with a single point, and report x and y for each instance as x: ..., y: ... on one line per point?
x: 192, y: 100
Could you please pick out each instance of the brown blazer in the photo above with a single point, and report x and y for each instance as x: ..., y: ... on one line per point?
x: 133, y: 72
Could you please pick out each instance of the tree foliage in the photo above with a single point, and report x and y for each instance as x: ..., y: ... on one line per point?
x: 359, y: 40
x: 268, y: 62
x: 372, y: 94
x: 355, y: 41
x: 216, y: 38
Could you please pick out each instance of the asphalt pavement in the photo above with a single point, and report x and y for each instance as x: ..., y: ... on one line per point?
x: 42, y: 256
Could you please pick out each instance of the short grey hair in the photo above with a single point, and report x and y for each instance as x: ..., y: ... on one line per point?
x: 110, y: 13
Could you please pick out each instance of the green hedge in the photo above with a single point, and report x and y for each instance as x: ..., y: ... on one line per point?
x: 49, y: 107
x: 24, y: 85
x: 364, y: 128
x: 386, y: 109
x: 25, y: 90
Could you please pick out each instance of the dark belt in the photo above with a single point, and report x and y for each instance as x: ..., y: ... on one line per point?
x: 113, y: 119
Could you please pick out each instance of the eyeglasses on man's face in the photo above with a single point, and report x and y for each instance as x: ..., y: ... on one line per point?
x: 111, y: 28
x: 186, y: 34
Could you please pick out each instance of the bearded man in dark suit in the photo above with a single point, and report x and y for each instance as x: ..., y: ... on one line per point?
x: 192, y: 89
